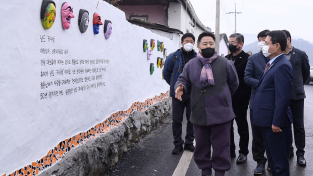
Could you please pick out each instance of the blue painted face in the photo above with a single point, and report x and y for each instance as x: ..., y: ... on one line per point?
x: 96, y: 28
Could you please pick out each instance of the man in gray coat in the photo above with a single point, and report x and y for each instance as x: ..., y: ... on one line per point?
x: 210, y: 80
x: 301, y: 71
x: 254, y: 69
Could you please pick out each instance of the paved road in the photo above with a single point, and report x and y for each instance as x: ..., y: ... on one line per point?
x: 152, y: 156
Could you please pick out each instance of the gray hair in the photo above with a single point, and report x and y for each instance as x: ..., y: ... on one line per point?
x: 239, y: 37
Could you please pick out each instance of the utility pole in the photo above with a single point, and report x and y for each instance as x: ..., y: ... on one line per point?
x: 217, y: 27
x: 235, y: 16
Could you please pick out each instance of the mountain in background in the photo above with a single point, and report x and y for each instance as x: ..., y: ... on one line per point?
x: 298, y: 43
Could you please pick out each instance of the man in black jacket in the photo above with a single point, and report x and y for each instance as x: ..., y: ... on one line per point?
x: 301, y: 71
x: 240, y: 98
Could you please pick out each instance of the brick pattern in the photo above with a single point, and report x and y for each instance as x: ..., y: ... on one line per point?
x: 59, y: 151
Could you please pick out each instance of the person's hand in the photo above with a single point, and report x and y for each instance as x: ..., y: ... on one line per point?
x: 276, y: 129
x: 179, y: 92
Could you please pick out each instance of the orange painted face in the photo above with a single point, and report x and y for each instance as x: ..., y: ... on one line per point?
x: 152, y: 43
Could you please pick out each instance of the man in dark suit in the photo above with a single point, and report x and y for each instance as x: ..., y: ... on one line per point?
x: 254, y: 69
x: 271, y: 103
x: 301, y: 72
x: 240, y: 98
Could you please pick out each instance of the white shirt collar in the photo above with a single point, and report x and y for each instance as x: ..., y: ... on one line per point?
x: 272, y: 60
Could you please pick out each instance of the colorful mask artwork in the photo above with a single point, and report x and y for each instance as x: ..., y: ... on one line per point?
x: 165, y: 53
x: 162, y: 46
x: 161, y: 63
x: 149, y: 53
x: 152, y: 44
x: 96, y: 23
x: 47, y: 13
x: 83, y: 20
x: 151, y: 68
x: 159, y: 46
x: 158, y: 62
x: 66, y: 15
x: 107, y: 29
x: 145, y: 45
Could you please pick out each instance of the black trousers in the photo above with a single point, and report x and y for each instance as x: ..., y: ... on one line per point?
x: 243, y: 129
x: 178, y: 108
x: 297, y: 108
x: 258, y: 147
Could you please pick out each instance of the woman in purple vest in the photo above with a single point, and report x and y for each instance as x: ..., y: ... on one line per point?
x: 210, y: 80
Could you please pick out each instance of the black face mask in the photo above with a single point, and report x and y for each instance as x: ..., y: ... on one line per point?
x: 233, y: 48
x: 208, y: 52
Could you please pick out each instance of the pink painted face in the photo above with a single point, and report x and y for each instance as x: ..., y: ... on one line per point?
x: 67, y: 15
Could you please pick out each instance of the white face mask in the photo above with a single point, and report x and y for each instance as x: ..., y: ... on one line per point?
x: 265, y: 52
x: 188, y: 47
x: 260, y: 45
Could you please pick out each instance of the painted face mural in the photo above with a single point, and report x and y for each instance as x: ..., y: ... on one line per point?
x: 149, y: 53
x: 161, y: 63
x: 165, y: 53
x: 83, y: 20
x: 66, y: 15
x: 151, y: 68
x: 145, y: 45
x: 159, y: 46
x: 96, y: 23
x: 162, y: 46
x: 107, y: 29
x: 152, y: 44
x: 47, y: 13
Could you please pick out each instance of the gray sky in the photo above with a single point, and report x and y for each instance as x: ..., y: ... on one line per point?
x: 296, y: 16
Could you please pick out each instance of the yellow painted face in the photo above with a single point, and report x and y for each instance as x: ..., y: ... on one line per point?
x: 162, y: 47
x: 49, y: 18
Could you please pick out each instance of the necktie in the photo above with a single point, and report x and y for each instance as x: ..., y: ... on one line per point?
x: 266, y: 67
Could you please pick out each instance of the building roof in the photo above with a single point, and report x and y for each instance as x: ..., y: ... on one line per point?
x: 185, y: 3
x: 193, y: 14
x: 156, y: 26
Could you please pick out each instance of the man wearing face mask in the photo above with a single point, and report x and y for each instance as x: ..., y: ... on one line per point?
x: 271, y: 103
x: 301, y: 71
x: 254, y: 69
x: 173, y: 67
x: 210, y: 80
x: 240, y: 98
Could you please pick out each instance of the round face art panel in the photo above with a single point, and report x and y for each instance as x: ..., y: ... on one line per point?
x: 83, y: 20
x: 66, y: 15
x: 152, y: 44
x: 107, y: 29
x: 149, y: 53
x: 151, y: 68
x: 47, y: 13
x: 159, y: 46
x: 96, y: 23
x: 145, y: 45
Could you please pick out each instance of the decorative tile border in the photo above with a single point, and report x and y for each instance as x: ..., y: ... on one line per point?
x: 58, y: 152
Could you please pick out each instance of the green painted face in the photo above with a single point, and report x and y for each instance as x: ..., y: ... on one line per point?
x: 159, y: 46
x: 145, y: 45
x: 151, y: 68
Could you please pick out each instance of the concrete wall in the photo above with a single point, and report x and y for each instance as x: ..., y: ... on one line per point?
x: 36, y: 119
x: 154, y: 13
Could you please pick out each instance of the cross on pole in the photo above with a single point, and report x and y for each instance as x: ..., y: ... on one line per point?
x: 235, y: 16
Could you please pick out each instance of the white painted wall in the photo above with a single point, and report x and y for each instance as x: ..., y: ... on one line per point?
x: 223, y: 48
x: 179, y: 18
x: 29, y: 126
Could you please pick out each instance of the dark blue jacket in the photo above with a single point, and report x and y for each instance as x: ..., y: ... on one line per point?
x: 272, y: 98
x: 254, y: 69
x: 170, y: 72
